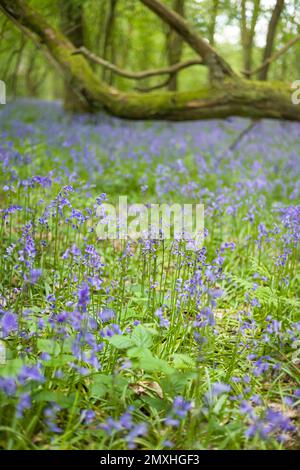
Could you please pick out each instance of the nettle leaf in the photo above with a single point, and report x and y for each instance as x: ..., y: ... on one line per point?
x: 103, y: 384
x: 150, y: 363
x: 176, y: 383
x: 121, y: 341
x: 183, y: 361
x: 142, y: 337
x: 135, y: 352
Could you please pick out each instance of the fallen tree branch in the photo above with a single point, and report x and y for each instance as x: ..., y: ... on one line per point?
x: 231, y: 97
x: 274, y: 57
x: 136, y: 75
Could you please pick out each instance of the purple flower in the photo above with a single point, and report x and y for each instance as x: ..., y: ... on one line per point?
x: 172, y: 421
x: 83, y: 296
x: 88, y: 416
x: 24, y: 403
x: 9, y: 323
x: 45, y: 356
x: 125, y: 422
x: 288, y: 401
x: 272, y: 423
x: 51, y: 417
x: 34, y: 275
x: 218, y: 388
x: 181, y: 406
x: 277, y: 421
x: 138, y: 430
x: 8, y: 385
x: 126, y: 419
x: 297, y: 393
x: 30, y: 373
x: 106, y: 315
x: 247, y: 409
x: 163, y: 322
x: 180, y: 409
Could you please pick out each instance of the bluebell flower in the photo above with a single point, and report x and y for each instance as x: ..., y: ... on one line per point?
x: 30, y: 373
x: 106, y: 315
x: 9, y: 323
x: 8, y: 385
x: 88, y: 416
x: 24, y: 403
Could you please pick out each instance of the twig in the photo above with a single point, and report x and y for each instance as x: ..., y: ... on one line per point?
x: 240, y: 137
x: 155, y: 87
x: 136, y: 75
x: 288, y: 45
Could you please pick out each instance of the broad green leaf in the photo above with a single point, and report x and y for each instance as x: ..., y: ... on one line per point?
x: 60, y: 360
x: 142, y: 337
x: 151, y: 363
x: 183, y: 361
x: 103, y: 384
x: 11, y: 368
x: 121, y: 341
x: 60, y: 398
x: 175, y: 383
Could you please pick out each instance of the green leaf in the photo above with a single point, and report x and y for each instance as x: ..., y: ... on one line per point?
x: 175, y: 383
x: 54, y: 348
x: 103, y: 384
x: 150, y: 363
x: 60, y: 360
x: 183, y: 361
x: 121, y: 341
x: 60, y: 398
x: 11, y: 368
x: 142, y: 337
x: 47, y: 345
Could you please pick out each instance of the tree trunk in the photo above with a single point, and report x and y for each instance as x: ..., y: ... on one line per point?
x: 212, y: 26
x: 175, y: 44
x: 72, y: 26
x: 213, y: 21
x: 108, y: 43
x: 232, y: 96
x: 248, y: 32
x: 218, y: 66
x: 271, y: 38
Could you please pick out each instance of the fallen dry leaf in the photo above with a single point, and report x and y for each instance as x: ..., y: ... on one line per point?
x: 142, y: 387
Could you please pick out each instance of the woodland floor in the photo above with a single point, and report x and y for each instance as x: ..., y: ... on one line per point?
x: 148, y: 344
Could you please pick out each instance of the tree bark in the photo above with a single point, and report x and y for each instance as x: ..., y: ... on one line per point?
x: 72, y: 26
x: 108, y: 43
x: 234, y: 96
x: 213, y: 22
x: 248, y: 32
x: 212, y: 27
x: 175, y: 45
x: 271, y: 38
x: 217, y: 65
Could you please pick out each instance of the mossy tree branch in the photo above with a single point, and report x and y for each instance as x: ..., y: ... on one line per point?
x: 231, y: 96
